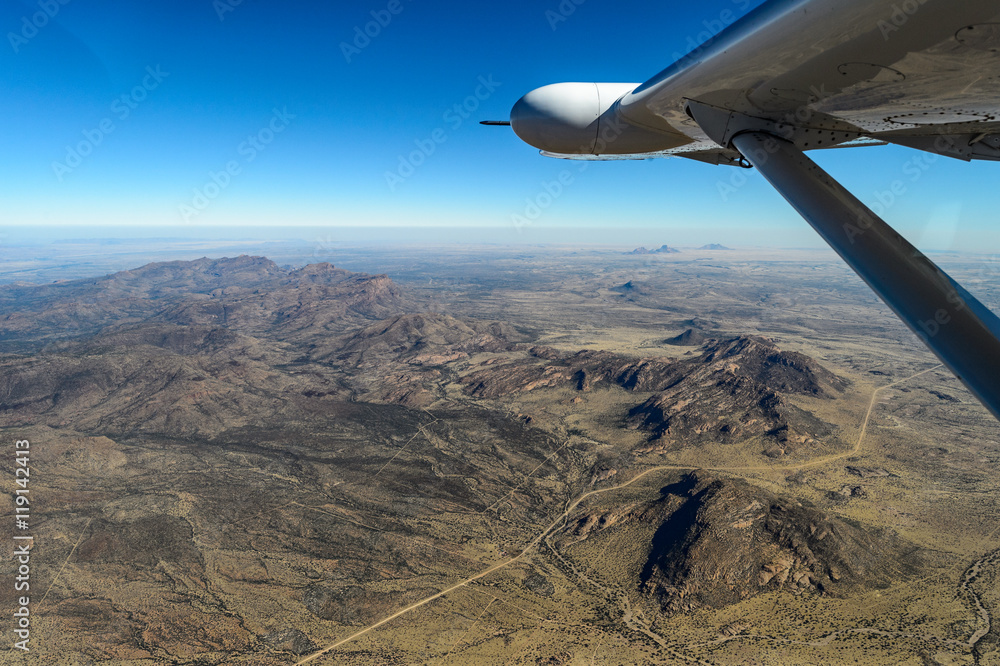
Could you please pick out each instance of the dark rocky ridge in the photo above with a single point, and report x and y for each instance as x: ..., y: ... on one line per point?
x: 735, y: 389
x: 426, y: 338
x: 720, y: 540
x: 723, y: 540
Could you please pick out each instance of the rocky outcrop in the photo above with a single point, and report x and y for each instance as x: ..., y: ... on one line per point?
x: 737, y: 388
x: 426, y: 339
x: 718, y: 541
x: 723, y: 540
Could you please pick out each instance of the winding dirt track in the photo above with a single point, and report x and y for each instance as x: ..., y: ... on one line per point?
x: 573, y: 505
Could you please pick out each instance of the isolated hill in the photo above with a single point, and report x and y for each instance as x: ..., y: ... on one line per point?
x: 723, y: 540
x: 692, y: 337
x: 713, y: 246
x: 634, y: 287
x: 719, y: 540
x: 745, y: 357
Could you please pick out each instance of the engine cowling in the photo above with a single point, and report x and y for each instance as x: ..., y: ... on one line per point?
x: 583, y: 119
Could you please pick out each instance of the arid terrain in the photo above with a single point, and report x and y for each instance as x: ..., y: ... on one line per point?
x: 486, y: 455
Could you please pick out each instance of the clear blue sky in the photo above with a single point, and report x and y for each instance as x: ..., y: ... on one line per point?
x: 200, y: 78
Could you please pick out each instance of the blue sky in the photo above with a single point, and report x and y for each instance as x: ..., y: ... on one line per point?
x: 197, y: 113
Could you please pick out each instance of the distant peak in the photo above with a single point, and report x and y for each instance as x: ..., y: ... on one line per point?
x: 322, y: 268
x: 663, y: 249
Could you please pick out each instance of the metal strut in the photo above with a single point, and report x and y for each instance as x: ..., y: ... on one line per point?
x: 963, y: 332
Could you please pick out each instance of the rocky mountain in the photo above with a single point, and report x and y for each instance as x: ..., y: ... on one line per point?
x: 719, y: 540
x: 185, y: 348
x: 249, y: 294
x: 155, y: 378
x: 736, y: 388
x: 261, y: 458
x: 425, y: 339
x: 722, y: 540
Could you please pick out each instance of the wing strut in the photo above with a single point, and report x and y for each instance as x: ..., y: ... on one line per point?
x: 963, y: 332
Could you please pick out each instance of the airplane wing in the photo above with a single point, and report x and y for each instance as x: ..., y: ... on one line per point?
x: 801, y: 75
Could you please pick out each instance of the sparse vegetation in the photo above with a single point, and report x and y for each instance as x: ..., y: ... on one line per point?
x: 240, y: 463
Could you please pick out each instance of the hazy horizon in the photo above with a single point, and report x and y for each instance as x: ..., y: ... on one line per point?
x: 624, y: 237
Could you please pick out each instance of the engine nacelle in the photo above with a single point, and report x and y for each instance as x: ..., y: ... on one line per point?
x: 583, y: 119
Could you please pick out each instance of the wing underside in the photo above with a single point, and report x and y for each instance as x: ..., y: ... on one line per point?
x: 904, y: 73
